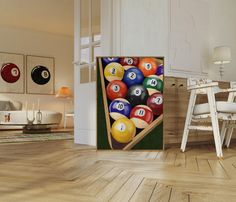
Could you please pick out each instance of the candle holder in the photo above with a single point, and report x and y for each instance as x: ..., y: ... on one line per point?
x: 39, y: 117
x: 30, y: 121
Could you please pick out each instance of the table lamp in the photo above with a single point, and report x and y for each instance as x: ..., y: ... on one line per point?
x: 64, y: 93
x: 221, y: 56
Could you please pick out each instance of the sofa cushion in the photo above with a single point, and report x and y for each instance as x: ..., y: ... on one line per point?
x: 15, y: 105
x: 223, y: 107
x: 5, y: 105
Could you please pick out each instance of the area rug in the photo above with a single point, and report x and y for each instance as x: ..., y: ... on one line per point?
x: 18, y: 136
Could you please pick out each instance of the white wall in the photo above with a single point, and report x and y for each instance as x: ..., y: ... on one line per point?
x: 223, y: 32
x: 147, y: 28
x: 30, y: 42
x: 141, y: 27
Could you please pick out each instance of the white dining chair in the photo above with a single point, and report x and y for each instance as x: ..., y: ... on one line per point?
x: 212, y: 112
x: 228, y: 127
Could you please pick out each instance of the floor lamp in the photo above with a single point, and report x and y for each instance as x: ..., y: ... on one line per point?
x: 64, y: 93
x: 221, y: 56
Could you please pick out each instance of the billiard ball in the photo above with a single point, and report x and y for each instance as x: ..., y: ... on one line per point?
x: 148, y: 66
x: 114, y: 71
x: 142, y: 116
x: 10, y: 72
x: 123, y: 130
x: 128, y: 62
x: 153, y: 84
x: 160, y: 70
x: 119, y: 108
x: 133, y: 76
x: 137, y: 95
x: 116, y: 89
x: 107, y: 60
x: 155, y: 102
x: 40, y: 75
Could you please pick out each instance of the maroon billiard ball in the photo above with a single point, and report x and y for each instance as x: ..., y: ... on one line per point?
x: 155, y: 102
x: 142, y: 116
x: 10, y: 72
x: 128, y: 62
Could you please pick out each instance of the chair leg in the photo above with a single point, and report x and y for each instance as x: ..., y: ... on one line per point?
x: 188, y: 120
x: 228, y: 136
x: 215, y: 123
x: 223, y: 131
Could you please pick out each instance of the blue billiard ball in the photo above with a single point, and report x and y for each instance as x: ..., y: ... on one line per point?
x: 107, y: 60
x: 133, y: 76
x: 119, y: 108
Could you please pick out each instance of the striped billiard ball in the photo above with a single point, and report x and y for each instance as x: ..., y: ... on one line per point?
x: 142, y: 116
x: 119, y: 108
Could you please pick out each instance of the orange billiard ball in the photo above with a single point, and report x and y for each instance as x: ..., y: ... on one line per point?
x: 148, y: 66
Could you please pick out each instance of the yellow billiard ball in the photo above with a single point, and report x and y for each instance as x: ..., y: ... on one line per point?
x: 123, y: 130
x: 114, y: 71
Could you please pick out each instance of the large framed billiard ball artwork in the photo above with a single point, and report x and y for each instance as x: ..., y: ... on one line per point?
x: 130, y: 103
x: 40, y: 75
x: 11, y: 73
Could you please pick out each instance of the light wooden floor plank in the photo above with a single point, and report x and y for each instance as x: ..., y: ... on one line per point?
x: 61, y: 171
x: 161, y: 193
x: 144, y: 191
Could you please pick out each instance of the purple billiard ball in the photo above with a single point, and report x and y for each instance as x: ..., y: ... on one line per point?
x: 119, y: 108
x: 160, y: 70
x: 107, y: 60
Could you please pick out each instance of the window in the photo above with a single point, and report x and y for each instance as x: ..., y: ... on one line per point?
x: 90, y: 39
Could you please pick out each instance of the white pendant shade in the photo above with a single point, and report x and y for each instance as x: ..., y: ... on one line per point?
x: 222, y: 55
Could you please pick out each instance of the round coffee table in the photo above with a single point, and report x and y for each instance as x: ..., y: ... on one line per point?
x: 32, y: 128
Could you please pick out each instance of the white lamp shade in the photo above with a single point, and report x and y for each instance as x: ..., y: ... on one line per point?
x: 222, y: 55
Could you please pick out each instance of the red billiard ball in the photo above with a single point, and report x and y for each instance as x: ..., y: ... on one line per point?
x: 128, y: 62
x: 10, y: 72
x: 155, y: 102
x: 142, y: 116
x: 116, y: 89
x: 148, y: 66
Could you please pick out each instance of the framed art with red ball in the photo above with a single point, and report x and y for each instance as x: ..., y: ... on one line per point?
x: 11, y: 73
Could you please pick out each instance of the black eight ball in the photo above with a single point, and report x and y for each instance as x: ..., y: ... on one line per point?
x: 40, y: 75
x: 137, y: 95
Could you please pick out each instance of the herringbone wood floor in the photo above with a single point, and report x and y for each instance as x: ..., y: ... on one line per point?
x: 61, y: 171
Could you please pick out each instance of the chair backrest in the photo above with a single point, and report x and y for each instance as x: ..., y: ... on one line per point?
x: 197, y: 81
x: 201, y: 84
x: 232, y: 95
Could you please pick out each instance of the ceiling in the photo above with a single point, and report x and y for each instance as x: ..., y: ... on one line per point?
x: 53, y: 16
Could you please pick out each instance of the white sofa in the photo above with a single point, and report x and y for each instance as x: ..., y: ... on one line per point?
x: 18, y: 116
